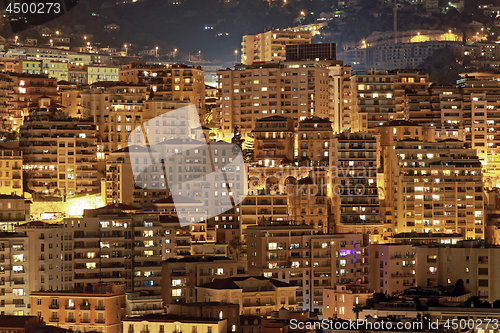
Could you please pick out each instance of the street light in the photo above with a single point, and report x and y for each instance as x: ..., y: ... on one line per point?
x: 51, y: 43
x: 199, y: 55
x: 126, y: 49
x: 57, y: 32
x: 235, y: 55
x: 156, y: 52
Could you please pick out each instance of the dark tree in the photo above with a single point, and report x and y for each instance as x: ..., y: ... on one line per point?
x: 443, y: 67
x: 237, y: 139
x: 235, y: 248
x: 459, y: 288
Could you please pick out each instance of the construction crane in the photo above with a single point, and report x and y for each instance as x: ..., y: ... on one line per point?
x: 396, y: 6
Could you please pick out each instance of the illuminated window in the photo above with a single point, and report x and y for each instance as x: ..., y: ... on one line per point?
x: 176, y: 283
x: 18, y: 257
x: 272, y: 246
x: 18, y: 292
x: 176, y: 292
x: 91, y: 265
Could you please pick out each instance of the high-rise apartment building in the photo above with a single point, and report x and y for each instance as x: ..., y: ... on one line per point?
x: 59, y: 153
x: 392, y: 268
x: 113, y: 244
x: 177, y: 82
x: 436, y: 265
x: 354, y: 159
x: 11, y: 174
x: 29, y: 89
x: 271, y: 45
x: 435, y: 187
x: 262, y: 206
x: 15, y: 271
x: 295, y: 90
x: 6, y: 90
x: 308, y: 202
x: 379, y: 96
x: 49, y: 270
x: 274, y: 140
x: 295, y: 254
x: 314, y: 135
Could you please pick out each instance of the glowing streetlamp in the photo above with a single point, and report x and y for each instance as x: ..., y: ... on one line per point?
x: 57, y: 32
x: 126, y: 49
x: 156, y: 52
x: 235, y: 55
x: 199, y: 55
x: 175, y: 53
x: 85, y: 37
x: 51, y: 43
x: 17, y: 37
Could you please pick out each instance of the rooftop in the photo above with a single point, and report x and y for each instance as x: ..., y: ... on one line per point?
x: 169, y: 318
x: 231, y: 283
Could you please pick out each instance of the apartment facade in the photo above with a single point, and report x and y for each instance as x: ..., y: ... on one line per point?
x: 314, y: 135
x: 295, y: 90
x: 271, y: 45
x: 379, y: 96
x: 436, y: 265
x: 180, y: 276
x: 338, y: 302
x: 393, y: 268
x: 14, y: 210
x: 15, y: 270
x: 177, y: 82
x: 98, y: 307
x: 443, y: 194
x: 11, y: 175
x: 28, y: 89
x: 59, y: 153
x: 174, y: 323
x: 274, y: 140
x: 354, y: 158
x: 296, y: 254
